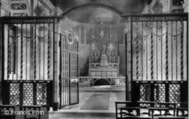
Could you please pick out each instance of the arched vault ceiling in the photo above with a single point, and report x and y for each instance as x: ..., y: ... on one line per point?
x: 88, y: 13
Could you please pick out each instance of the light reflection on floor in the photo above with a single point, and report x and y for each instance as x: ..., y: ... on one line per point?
x: 115, y: 94
x: 83, y: 109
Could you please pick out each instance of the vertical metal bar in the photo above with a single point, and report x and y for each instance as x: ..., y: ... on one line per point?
x: 3, y: 54
x: 16, y: 50
x: 176, y: 52
x: 26, y: 50
x: 69, y: 77
x: 118, y: 47
x: 131, y: 49
x: 43, y: 43
x: 68, y: 68
x: 49, y: 52
x: 77, y: 92
x: 60, y: 75
x: 78, y: 71
x: 39, y: 51
x: 181, y: 52
x: 137, y: 55
x: 35, y: 53
x: 161, y: 50
x: 29, y: 52
x: 187, y: 48
x: 22, y: 50
x: 35, y: 93
x: 21, y: 93
x: 60, y: 91
x: 67, y: 73
x: 64, y: 73
x: 2, y: 67
x: 8, y: 58
x: 28, y: 46
x: 54, y: 59
x: 126, y: 62
x: 157, y: 50
x: 171, y: 50
x: 167, y: 28
x: 146, y: 50
x: 142, y: 51
x: 152, y: 54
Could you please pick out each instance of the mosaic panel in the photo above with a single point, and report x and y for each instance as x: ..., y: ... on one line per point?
x: 42, y: 94
x: 145, y: 92
x: 14, y: 93
x: 27, y: 94
x: 174, y: 93
x: 159, y: 93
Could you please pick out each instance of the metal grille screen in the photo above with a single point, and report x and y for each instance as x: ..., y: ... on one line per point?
x: 14, y: 93
x: 42, y: 94
x: 27, y: 94
x: 158, y: 47
x: 28, y: 49
x: 174, y: 93
x: 159, y: 92
x: 145, y: 92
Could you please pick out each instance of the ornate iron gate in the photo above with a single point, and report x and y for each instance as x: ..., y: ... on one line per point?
x: 157, y: 53
x: 69, y: 87
x: 30, y: 46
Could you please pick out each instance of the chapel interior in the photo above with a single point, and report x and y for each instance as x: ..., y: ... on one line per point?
x: 94, y: 59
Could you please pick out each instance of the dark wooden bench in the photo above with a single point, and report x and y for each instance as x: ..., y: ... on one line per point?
x: 145, y: 105
x: 117, y: 107
x: 171, y: 117
x: 169, y: 105
x: 149, y: 103
x: 136, y: 117
x: 128, y: 111
x: 182, y: 110
x: 151, y: 111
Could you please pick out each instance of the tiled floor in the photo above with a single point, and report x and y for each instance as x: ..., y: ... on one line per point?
x: 78, y: 112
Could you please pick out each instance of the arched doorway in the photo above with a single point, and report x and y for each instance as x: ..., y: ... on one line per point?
x: 98, y: 30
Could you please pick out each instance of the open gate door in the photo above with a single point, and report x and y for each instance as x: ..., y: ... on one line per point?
x: 69, y: 88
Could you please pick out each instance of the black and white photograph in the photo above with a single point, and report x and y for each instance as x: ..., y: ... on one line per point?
x: 94, y: 59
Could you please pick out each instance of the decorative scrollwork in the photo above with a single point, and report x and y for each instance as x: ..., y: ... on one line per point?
x: 70, y: 36
x: 42, y: 30
x: 18, y: 6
